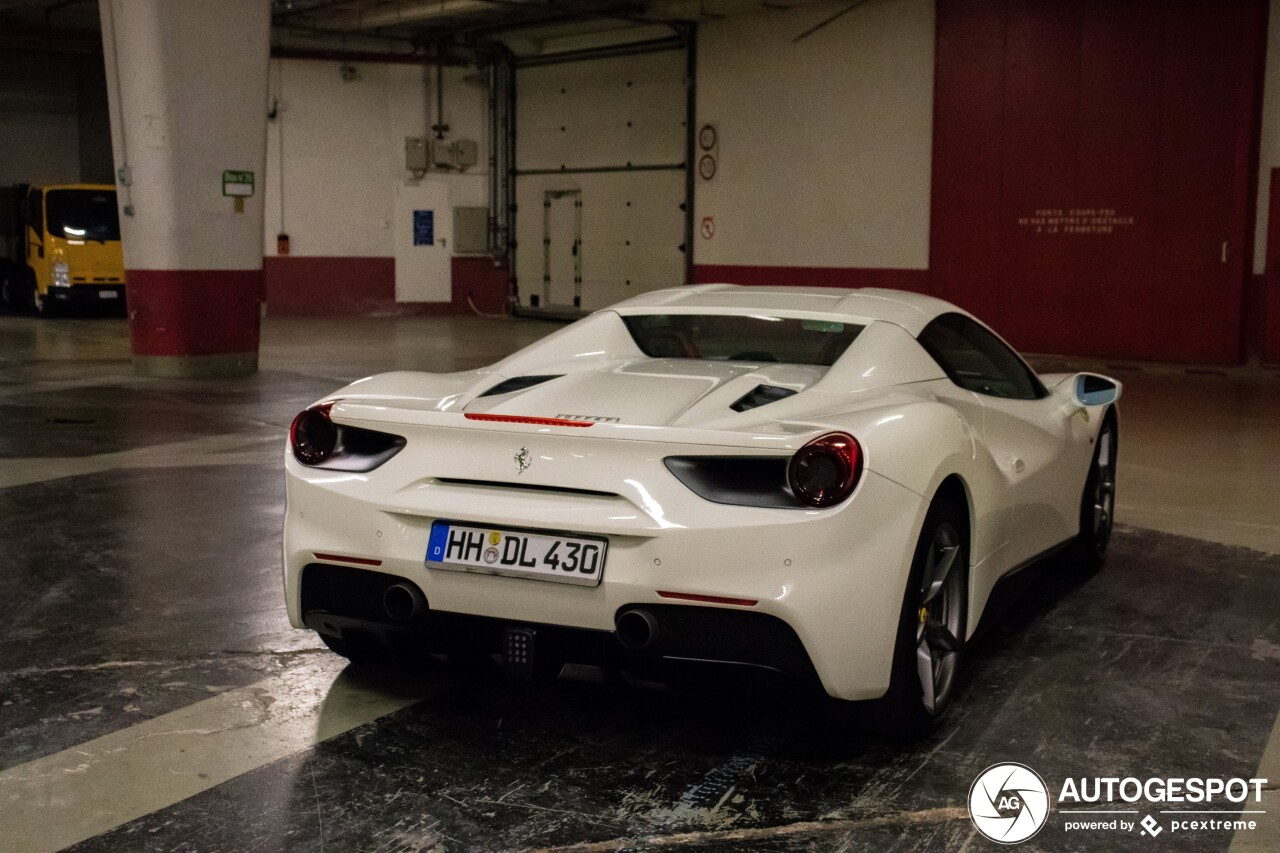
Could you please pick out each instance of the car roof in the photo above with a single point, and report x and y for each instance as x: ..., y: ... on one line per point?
x: 912, y: 311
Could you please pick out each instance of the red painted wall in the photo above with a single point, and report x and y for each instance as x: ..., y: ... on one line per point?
x: 487, y: 285
x: 899, y: 279
x: 1090, y: 158
x: 193, y: 312
x: 297, y: 286
x: 1271, y: 334
x: 1266, y: 302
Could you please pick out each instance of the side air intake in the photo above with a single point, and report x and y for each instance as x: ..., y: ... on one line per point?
x: 761, y: 395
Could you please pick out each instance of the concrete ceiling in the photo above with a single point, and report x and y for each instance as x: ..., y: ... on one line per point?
x: 524, y: 26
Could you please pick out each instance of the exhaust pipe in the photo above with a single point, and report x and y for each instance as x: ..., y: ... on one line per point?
x: 637, y: 629
x: 402, y: 602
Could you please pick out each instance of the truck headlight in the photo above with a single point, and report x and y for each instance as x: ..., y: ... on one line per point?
x: 61, y: 274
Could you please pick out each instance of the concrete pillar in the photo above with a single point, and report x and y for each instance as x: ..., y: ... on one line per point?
x: 187, y: 83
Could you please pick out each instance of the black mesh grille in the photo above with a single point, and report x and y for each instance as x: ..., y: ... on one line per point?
x: 761, y: 395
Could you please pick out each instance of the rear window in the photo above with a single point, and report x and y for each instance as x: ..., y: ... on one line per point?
x: 82, y: 214
x: 736, y: 337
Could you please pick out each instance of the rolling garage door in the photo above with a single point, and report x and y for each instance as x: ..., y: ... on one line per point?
x: 600, y: 181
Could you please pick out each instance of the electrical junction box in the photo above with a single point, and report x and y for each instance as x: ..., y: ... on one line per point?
x: 441, y: 154
x: 415, y: 154
x: 460, y: 154
x: 466, y: 153
x: 470, y: 230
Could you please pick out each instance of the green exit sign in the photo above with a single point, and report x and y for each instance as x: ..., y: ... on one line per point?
x: 237, y: 184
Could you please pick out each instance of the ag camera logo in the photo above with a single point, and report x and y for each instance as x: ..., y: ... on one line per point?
x: 1008, y: 803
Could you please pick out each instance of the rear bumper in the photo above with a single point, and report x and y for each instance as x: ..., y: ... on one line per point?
x: 85, y: 294
x: 833, y: 578
x: 339, y: 601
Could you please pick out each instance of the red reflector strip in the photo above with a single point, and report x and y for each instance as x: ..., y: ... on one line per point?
x: 521, y: 419
x: 710, y: 599
x: 338, y: 558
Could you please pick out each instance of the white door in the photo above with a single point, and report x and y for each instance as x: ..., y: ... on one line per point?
x: 562, y: 249
x: 423, y: 230
x: 1029, y: 433
x: 1031, y: 443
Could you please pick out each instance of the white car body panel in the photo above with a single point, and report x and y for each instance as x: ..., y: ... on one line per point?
x: 836, y: 576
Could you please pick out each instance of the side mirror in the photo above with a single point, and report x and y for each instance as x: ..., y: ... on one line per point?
x: 1090, y: 389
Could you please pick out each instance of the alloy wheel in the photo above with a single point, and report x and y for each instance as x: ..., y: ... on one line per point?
x: 940, y: 618
x: 1104, y: 490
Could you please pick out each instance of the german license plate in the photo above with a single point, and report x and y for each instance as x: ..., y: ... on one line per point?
x: 517, y: 553
x: 108, y: 294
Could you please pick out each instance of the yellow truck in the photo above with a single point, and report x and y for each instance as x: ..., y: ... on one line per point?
x: 66, y: 249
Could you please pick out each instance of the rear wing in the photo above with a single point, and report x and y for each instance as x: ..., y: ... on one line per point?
x: 779, y: 438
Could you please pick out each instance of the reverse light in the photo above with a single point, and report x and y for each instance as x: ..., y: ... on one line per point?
x: 318, y: 442
x: 825, y: 471
x: 61, y: 274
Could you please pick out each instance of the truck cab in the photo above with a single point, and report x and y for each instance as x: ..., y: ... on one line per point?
x: 71, y: 246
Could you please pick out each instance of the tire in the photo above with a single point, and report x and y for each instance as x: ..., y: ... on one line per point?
x: 28, y: 289
x: 11, y: 295
x: 1098, y: 501
x: 43, y: 307
x: 931, y: 628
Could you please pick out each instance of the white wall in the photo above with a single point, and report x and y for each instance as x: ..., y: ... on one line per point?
x: 1269, y: 146
x: 825, y: 143
x: 342, y: 169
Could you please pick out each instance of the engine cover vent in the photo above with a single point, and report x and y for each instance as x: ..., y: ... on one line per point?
x: 761, y: 395
x: 517, y: 383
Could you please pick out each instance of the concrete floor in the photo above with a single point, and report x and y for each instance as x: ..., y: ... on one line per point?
x: 152, y: 695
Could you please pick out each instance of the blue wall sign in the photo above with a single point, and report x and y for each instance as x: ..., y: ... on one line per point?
x: 424, y: 228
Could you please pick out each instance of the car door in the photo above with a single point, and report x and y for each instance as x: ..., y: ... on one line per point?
x: 1025, y: 429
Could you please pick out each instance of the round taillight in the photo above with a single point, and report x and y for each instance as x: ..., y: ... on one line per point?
x: 824, y: 471
x: 313, y: 436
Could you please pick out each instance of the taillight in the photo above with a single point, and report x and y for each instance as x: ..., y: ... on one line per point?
x: 313, y: 436
x: 825, y: 471
x: 318, y: 442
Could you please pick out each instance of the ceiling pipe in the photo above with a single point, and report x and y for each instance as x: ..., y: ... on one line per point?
x: 391, y: 57
x: 409, y: 13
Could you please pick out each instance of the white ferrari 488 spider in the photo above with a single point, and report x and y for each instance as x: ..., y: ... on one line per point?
x: 822, y: 483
